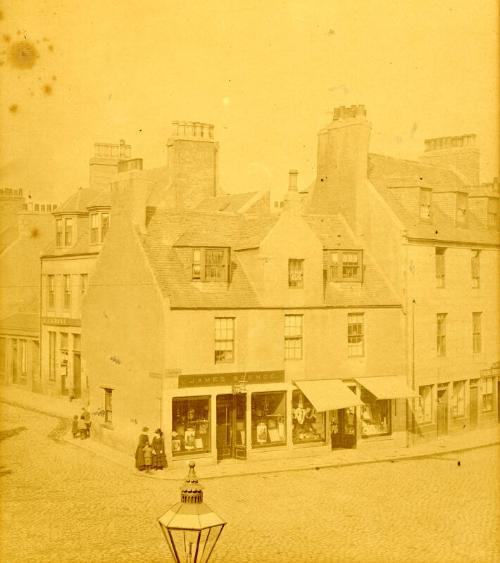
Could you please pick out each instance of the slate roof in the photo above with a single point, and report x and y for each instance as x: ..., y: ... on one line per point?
x: 334, y: 233
x: 166, y: 241
x: 103, y: 199
x: 20, y: 323
x: 381, y: 172
x: 231, y: 203
x: 171, y: 235
x: 78, y: 202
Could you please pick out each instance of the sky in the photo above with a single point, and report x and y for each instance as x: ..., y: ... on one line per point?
x: 266, y: 73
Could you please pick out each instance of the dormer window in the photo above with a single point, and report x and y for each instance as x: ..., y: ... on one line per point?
x: 210, y: 264
x: 64, y: 231
x: 59, y: 232
x: 461, y: 208
x: 68, y: 231
x: 425, y: 204
x: 99, y: 226
x: 344, y: 265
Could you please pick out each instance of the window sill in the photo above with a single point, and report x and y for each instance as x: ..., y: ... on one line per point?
x: 312, y: 443
x: 267, y: 447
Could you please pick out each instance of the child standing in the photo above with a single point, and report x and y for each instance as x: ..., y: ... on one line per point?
x: 74, y: 426
x: 82, y: 427
x: 148, y: 457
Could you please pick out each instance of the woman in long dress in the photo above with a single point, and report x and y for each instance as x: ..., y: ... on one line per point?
x: 158, y: 445
x: 139, y: 452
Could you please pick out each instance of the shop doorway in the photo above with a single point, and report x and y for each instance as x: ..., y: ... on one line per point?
x: 442, y: 411
x: 231, y: 426
x: 473, y: 405
x: 77, y: 375
x: 343, y: 428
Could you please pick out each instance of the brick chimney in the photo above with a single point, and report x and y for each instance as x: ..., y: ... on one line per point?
x: 192, y: 162
x: 104, y: 164
x: 342, y: 161
x: 455, y: 153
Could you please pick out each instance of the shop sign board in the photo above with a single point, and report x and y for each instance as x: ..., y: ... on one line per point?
x: 61, y: 321
x: 236, y: 378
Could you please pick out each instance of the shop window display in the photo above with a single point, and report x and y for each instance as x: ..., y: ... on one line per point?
x: 375, y: 416
x: 308, y: 425
x: 190, y: 425
x: 268, y: 419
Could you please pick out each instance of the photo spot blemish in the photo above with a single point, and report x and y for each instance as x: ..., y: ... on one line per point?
x: 47, y: 89
x: 13, y: 108
x: 22, y: 54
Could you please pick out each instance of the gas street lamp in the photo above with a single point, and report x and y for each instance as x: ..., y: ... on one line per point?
x: 190, y: 527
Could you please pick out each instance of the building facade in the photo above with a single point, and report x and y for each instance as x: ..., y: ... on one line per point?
x: 242, y: 334
x: 433, y: 228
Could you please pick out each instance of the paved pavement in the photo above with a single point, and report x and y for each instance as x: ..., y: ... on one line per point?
x: 65, y: 503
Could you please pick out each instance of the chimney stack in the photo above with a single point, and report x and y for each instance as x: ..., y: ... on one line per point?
x: 457, y: 153
x: 342, y: 163
x: 192, y: 162
x: 105, y: 162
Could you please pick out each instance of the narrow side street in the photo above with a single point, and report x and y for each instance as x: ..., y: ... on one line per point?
x: 72, y: 505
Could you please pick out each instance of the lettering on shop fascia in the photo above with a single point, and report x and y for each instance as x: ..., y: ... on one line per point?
x: 237, y: 378
x: 61, y: 321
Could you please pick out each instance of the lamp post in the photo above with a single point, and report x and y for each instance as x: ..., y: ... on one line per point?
x: 190, y: 527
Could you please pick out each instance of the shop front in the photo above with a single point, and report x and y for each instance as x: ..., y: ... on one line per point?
x: 337, y: 400
x: 379, y: 416
x: 246, y: 415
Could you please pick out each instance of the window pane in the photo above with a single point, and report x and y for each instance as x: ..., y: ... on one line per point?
x: 375, y: 415
x: 308, y: 425
x: 295, y: 273
x: 190, y: 425
x: 355, y: 334
x: 224, y: 339
x: 268, y: 419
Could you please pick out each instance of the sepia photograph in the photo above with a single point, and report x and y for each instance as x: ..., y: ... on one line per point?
x: 249, y: 281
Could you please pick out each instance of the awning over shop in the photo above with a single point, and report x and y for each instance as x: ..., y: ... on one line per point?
x: 387, y: 387
x: 328, y: 394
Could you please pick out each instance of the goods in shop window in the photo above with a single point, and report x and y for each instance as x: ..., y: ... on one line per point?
x: 189, y: 439
x: 262, y: 433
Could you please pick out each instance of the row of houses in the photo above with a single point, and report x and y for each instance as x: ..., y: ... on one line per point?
x: 361, y: 312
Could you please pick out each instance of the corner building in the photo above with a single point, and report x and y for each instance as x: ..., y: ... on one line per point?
x: 243, y: 334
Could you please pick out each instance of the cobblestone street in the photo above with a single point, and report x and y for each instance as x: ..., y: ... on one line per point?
x: 63, y: 503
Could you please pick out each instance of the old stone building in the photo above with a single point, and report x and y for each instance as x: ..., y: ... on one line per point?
x: 433, y: 228
x: 241, y: 333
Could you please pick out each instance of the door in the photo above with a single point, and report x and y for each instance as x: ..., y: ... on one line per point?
x: 231, y: 426
x: 77, y: 375
x: 64, y: 377
x: 14, y: 361
x: 442, y: 412
x: 473, y: 406
x: 343, y: 428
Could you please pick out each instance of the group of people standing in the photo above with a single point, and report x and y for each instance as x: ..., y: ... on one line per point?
x: 80, y: 427
x: 150, y: 455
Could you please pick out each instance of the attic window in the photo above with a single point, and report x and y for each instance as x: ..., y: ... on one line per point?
x: 425, y: 204
x: 210, y: 264
x: 344, y: 265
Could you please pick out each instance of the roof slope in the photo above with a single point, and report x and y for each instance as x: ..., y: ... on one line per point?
x: 231, y: 203
x: 20, y: 323
x: 166, y: 243
x: 79, y: 201
x: 381, y: 172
